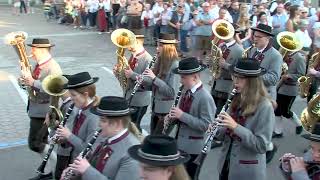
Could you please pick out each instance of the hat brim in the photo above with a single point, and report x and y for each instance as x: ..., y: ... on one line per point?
x: 94, y: 110
x: 262, y: 31
x: 232, y: 71
x: 178, y: 71
x: 164, y: 41
x: 94, y: 80
x: 133, y: 152
x: 311, y: 137
x: 41, y: 45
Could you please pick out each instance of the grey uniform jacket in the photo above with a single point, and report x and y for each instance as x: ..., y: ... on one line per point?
x: 224, y: 82
x: 247, y: 156
x: 40, y: 101
x: 164, y: 91
x: 195, y: 123
x: 143, y: 95
x: 297, y: 68
x: 86, y: 132
x: 272, y: 62
x: 119, y: 165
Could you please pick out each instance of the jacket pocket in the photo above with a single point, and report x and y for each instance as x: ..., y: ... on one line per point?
x: 248, y: 161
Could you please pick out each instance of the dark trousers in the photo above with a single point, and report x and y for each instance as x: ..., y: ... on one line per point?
x: 190, y: 166
x: 312, y: 90
x: 156, y: 125
x: 109, y: 21
x: 38, y: 135
x: 23, y: 6
x: 284, y: 105
x: 138, y: 114
x: 183, y: 40
x: 62, y: 163
x: 92, y: 18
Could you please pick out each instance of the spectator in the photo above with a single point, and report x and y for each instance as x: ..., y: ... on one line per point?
x: 93, y: 6
x: 115, y: 12
x: 107, y: 9
x: 23, y: 6
x: 304, y: 13
x: 279, y: 20
x: 101, y: 17
x: 165, y: 17
x: 122, y: 15
x: 294, y: 19
x: 263, y: 19
x: 134, y: 11
x: 303, y: 36
x: 147, y: 18
x: 227, y: 4
x: 244, y: 35
x: 157, y: 10
x: 234, y: 11
x: 316, y: 38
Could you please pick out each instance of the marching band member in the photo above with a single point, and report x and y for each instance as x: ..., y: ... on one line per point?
x: 165, y: 84
x: 288, y: 89
x: 231, y: 51
x: 308, y: 166
x: 81, y: 123
x: 195, y: 112
x: 38, y: 100
x: 138, y: 62
x: 165, y: 162
x: 109, y: 158
x: 271, y: 60
x: 246, y: 128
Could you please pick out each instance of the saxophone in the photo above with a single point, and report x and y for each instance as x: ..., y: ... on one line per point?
x: 305, y: 81
x: 245, y: 53
x: 311, y: 114
x: 123, y: 39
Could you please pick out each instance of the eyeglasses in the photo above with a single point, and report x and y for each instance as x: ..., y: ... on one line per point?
x: 259, y: 37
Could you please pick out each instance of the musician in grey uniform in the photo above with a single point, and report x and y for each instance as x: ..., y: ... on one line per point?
x: 81, y: 123
x: 195, y: 111
x: 165, y: 83
x: 231, y: 51
x: 109, y: 158
x: 288, y: 89
x: 271, y: 60
x: 138, y: 62
x: 38, y: 100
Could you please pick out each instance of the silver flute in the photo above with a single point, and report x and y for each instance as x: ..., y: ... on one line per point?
x: 69, y: 174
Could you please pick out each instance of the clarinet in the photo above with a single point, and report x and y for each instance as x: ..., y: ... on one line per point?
x: 140, y: 79
x: 167, y: 121
x: 69, y: 174
x: 54, y: 141
x: 201, y: 157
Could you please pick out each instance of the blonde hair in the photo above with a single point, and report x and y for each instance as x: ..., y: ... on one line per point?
x: 251, y: 95
x: 91, y: 90
x: 179, y: 173
x: 244, y: 23
x: 166, y: 57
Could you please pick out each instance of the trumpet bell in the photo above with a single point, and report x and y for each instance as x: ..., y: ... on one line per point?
x: 288, y: 42
x: 16, y: 37
x: 123, y: 38
x: 222, y: 30
x: 54, y: 85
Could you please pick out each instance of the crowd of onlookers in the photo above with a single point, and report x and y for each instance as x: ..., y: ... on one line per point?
x: 190, y: 20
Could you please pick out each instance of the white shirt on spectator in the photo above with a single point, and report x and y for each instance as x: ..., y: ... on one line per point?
x: 149, y: 15
x: 107, y: 5
x: 304, y: 37
x: 93, y: 5
x: 156, y: 9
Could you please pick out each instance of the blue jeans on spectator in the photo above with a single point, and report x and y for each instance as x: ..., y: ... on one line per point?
x: 84, y: 18
x: 183, y: 40
x: 92, y: 18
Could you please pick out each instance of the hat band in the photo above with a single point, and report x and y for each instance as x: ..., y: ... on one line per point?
x: 113, y: 112
x: 189, y: 70
x: 154, y: 157
x: 41, y: 44
x: 82, y: 83
x: 248, y: 72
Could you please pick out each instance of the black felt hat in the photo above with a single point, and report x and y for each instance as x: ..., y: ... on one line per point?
x: 188, y: 65
x: 247, y: 67
x: 80, y: 80
x: 41, y: 43
x: 112, y: 106
x: 263, y: 29
x: 167, y: 39
x: 315, y: 134
x: 158, y: 150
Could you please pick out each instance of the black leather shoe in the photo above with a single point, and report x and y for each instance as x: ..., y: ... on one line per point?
x: 299, y: 129
x: 43, y: 177
x: 276, y: 135
x: 270, y: 154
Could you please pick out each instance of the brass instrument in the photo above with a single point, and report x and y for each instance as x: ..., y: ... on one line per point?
x: 17, y: 41
x: 288, y: 43
x: 245, y: 53
x: 311, y: 114
x: 122, y: 38
x: 222, y: 30
x: 53, y: 85
x: 305, y: 81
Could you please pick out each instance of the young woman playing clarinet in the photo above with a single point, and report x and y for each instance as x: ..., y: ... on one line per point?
x: 246, y: 127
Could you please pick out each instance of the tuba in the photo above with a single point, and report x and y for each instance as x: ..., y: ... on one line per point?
x: 305, y: 81
x: 122, y: 38
x: 288, y: 43
x: 17, y: 41
x: 311, y: 114
x: 222, y: 30
x: 53, y: 85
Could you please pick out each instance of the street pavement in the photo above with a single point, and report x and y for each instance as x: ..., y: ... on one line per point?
x: 81, y: 50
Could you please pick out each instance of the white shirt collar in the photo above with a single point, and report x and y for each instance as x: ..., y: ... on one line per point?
x: 228, y: 44
x: 138, y: 51
x: 44, y: 59
x: 89, y: 102
x: 66, y: 100
x: 117, y: 136
x: 195, y: 87
x: 261, y: 50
